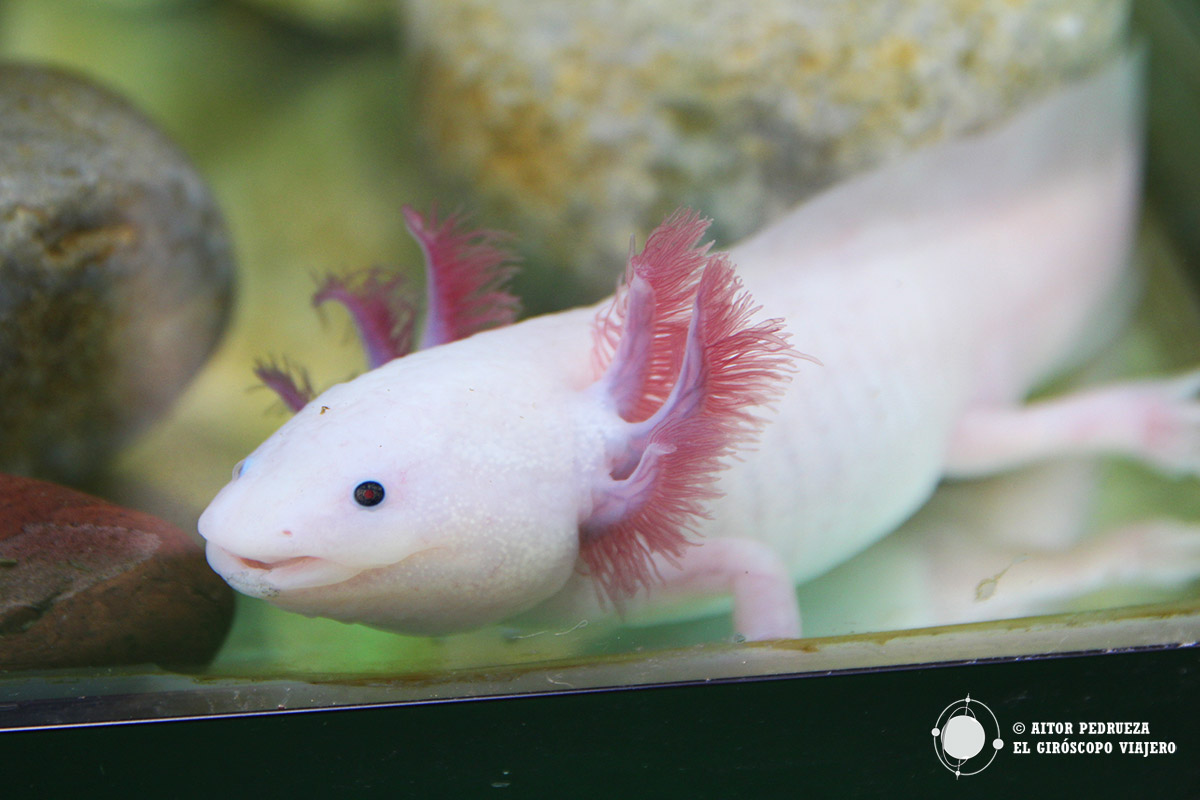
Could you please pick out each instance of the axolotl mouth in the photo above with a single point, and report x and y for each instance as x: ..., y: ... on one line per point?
x: 269, y: 578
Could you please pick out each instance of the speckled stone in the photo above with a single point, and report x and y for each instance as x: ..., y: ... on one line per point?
x: 84, y: 583
x: 115, y: 273
x: 581, y: 123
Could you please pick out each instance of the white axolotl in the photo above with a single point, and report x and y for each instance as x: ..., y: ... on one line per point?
x: 579, y: 463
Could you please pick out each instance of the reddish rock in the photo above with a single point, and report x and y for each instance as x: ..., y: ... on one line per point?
x: 87, y: 583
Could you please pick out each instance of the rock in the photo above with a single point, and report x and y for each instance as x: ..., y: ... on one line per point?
x: 115, y: 273
x: 581, y: 123
x: 84, y: 583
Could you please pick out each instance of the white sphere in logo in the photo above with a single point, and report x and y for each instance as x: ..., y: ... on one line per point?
x: 961, y: 734
x: 962, y: 737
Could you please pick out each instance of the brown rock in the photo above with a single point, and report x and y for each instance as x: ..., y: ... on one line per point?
x: 87, y: 583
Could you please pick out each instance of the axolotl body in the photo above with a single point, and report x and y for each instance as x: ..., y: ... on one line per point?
x: 583, y: 463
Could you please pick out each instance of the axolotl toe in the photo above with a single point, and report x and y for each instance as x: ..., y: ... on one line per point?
x: 582, y: 463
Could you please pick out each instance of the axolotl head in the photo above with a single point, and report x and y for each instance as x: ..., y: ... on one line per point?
x: 433, y: 494
x: 467, y: 482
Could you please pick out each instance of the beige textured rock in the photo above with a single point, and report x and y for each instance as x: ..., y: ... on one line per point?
x: 579, y: 124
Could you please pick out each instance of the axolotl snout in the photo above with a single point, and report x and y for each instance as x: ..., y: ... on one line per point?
x: 581, y: 462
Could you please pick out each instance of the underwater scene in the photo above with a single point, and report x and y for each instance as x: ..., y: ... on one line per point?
x: 316, y: 390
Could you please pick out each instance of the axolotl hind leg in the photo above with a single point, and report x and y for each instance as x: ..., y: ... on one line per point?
x: 1154, y: 421
x: 1014, y: 545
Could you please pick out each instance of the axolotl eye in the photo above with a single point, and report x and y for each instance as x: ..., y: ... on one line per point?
x: 368, y: 493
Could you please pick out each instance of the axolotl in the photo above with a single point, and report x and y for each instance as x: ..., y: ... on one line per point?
x: 682, y: 441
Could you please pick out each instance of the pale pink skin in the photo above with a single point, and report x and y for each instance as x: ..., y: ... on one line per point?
x: 1011, y: 545
x: 936, y: 293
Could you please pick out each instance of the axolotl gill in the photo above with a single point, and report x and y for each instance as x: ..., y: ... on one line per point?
x: 678, y: 441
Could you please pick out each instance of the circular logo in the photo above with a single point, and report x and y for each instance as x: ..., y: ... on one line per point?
x: 961, y: 737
